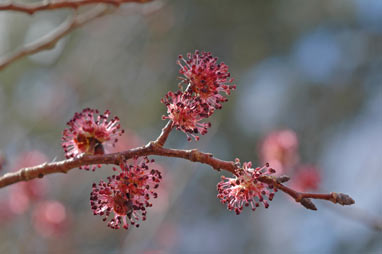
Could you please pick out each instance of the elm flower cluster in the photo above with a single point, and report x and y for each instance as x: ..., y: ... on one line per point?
x: 207, y: 81
x: 90, y: 134
x: 186, y: 113
x: 244, y: 189
x: 206, y: 78
x: 126, y: 196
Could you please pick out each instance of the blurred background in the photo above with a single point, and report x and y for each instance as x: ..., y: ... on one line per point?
x: 309, y: 93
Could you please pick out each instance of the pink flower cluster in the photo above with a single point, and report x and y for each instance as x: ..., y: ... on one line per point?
x: 280, y: 148
x: 207, y: 81
x: 49, y: 217
x: 186, y: 113
x: 244, y: 189
x: 206, y: 78
x: 22, y: 195
x: 89, y: 133
x: 126, y: 195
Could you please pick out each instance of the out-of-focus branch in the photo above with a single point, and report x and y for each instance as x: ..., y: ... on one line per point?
x: 31, y: 8
x: 49, y: 40
x: 360, y: 215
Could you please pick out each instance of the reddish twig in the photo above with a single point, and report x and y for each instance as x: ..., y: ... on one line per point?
x: 164, y: 134
x: 305, y: 198
x: 156, y: 148
x: 64, y: 166
x: 31, y: 8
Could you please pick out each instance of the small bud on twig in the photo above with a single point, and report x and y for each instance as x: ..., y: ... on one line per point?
x: 283, y: 179
x: 342, y: 199
x: 308, y: 204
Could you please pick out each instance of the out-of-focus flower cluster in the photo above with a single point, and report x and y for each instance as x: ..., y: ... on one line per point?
x: 244, y: 189
x: 206, y: 81
x: 49, y: 217
x: 23, y: 194
x: 280, y: 148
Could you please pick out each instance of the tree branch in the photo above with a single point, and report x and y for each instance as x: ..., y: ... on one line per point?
x: 31, y: 8
x: 26, y: 174
x: 156, y: 148
x: 49, y: 40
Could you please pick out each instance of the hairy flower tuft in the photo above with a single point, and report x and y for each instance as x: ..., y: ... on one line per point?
x: 206, y: 78
x: 126, y: 195
x: 88, y: 133
x: 186, y: 112
x: 244, y: 189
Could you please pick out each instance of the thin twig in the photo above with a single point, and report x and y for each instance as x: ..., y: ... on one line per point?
x: 49, y: 40
x: 31, y: 8
x: 305, y: 198
x: 164, y: 134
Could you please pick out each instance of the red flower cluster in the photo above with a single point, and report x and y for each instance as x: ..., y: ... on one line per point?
x: 206, y: 80
x: 89, y: 134
x: 244, y: 189
x: 186, y: 113
x: 127, y: 194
